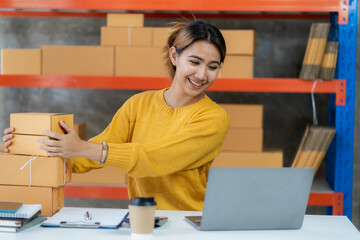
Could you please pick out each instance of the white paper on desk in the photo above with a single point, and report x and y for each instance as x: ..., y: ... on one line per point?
x: 108, y: 217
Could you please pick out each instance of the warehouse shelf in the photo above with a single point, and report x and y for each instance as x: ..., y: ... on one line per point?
x: 344, y: 23
x: 316, y: 198
x: 280, y: 85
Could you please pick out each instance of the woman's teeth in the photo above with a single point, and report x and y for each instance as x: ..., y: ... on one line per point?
x: 196, y: 84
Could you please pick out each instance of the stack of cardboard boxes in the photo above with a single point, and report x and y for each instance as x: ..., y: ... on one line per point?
x: 41, y: 180
x: 127, y: 49
x: 243, y: 145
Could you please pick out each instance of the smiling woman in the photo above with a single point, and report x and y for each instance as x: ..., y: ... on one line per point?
x: 164, y: 140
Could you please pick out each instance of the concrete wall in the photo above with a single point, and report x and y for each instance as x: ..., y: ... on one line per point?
x: 280, y: 50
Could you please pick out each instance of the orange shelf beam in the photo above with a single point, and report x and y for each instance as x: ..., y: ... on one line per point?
x: 339, y: 6
x: 279, y: 85
x: 331, y: 199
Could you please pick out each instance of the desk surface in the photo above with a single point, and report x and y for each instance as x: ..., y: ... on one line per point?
x: 314, y: 227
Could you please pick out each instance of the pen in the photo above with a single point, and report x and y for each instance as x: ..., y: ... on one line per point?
x: 87, y: 216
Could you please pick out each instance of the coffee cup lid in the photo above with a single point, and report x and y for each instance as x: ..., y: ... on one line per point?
x: 143, y: 201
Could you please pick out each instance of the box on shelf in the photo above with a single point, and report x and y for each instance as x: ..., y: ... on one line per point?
x: 105, y: 175
x: 245, y: 115
x: 80, y: 129
x: 27, y: 145
x: 78, y: 60
x: 244, y: 139
x: 125, y: 20
x: 45, y: 171
x: 160, y: 36
x: 239, y: 42
x: 21, y: 61
x: 36, y: 123
x: 51, y: 199
x: 126, y: 36
x: 268, y: 158
x: 237, y: 66
x: 141, y: 62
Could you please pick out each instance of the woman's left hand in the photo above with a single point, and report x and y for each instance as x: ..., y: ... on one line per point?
x: 67, y: 145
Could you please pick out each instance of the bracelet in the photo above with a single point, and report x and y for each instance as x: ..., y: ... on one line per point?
x: 104, y: 154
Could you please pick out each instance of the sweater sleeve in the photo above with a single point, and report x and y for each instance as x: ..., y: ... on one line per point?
x: 117, y: 131
x: 194, y: 145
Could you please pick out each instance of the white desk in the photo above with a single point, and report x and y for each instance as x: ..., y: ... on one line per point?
x: 314, y: 227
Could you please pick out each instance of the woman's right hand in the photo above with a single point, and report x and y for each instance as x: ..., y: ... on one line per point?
x: 7, y: 138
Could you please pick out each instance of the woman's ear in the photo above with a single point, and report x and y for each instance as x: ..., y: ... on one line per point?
x: 173, y: 55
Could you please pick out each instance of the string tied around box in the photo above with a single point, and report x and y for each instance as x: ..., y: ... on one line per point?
x: 33, y: 158
x: 29, y: 162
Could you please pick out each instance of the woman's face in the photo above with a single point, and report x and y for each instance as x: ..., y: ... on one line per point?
x: 196, y: 67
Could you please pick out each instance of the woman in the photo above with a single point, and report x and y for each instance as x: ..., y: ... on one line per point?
x: 164, y: 140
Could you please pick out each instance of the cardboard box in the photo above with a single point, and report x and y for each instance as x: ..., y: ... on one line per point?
x: 80, y: 129
x: 125, y: 20
x: 105, y: 175
x: 36, y: 123
x: 244, y: 139
x: 245, y: 115
x: 237, y: 66
x: 27, y: 145
x: 239, y: 41
x: 51, y: 199
x: 160, y: 36
x: 21, y: 61
x: 78, y: 60
x: 141, y: 62
x: 45, y: 171
x: 268, y: 158
x: 126, y: 36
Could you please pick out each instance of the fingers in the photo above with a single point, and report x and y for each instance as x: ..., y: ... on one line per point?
x: 67, y: 128
x: 8, y: 130
x: 54, y: 135
x: 7, y: 137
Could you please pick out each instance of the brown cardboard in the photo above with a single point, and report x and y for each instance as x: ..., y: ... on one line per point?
x: 237, y: 66
x: 51, y: 199
x: 80, y: 129
x: 125, y: 20
x: 36, y: 123
x: 141, y: 62
x: 160, y: 36
x: 244, y: 139
x: 78, y: 60
x: 245, y: 115
x: 239, y: 41
x: 267, y: 158
x: 21, y: 61
x: 126, y: 36
x: 45, y: 171
x: 27, y: 145
x: 105, y: 175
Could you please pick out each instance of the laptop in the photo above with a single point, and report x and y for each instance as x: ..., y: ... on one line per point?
x: 255, y: 199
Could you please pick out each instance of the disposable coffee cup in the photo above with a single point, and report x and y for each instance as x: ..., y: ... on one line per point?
x: 142, y: 215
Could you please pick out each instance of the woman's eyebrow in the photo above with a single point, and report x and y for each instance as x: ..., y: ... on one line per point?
x: 199, y: 58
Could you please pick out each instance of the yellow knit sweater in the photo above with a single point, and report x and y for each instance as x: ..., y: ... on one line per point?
x: 166, y: 152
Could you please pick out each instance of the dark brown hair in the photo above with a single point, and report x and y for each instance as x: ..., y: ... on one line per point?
x: 184, y: 34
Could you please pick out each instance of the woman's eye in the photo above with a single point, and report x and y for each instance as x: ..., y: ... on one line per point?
x: 194, y: 62
x: 213, y: 68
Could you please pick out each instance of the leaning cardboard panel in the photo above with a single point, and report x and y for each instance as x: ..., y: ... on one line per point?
x: 51, y: 199
x: 268, y: 158
x: 36, y: 123
x: 45, y: 171
x: 21, y: 61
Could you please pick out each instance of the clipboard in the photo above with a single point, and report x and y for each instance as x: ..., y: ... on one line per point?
x: 107, y: 218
